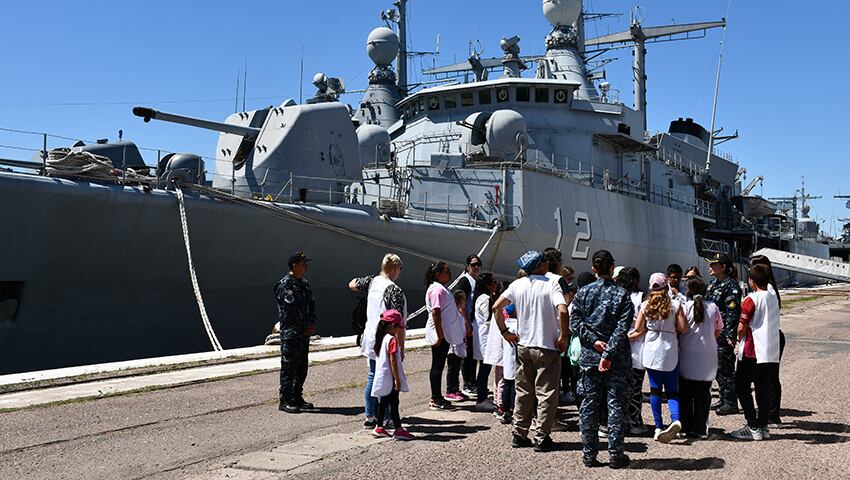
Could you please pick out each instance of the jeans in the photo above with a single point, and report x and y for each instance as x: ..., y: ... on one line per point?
x: 438, y: 363
x: 389, y: 404
x: 695, y: 402
x: 370, y: 401
x: 481, y: 382
x: 761, y: 374
x: 508, y: 392
x: 669, y: 381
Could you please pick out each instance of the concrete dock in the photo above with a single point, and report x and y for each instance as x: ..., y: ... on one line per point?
x: 228, y: 426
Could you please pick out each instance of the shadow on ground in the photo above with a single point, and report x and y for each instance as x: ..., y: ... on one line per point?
x: 678, y: 464
x: 814, y: 433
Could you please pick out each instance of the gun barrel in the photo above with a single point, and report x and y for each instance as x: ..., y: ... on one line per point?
x: 147, y: 114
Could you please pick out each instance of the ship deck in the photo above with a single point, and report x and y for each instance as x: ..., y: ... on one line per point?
x: 231, y: 428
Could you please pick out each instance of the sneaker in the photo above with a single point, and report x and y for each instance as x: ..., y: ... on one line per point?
x: 441, y: 405
x: 657, y: 434
x: 726, y: 410
x: 638, y: 430
x: 545, y: 445
x: 470, y: 392
x: 485, y: 406
x: 455, y: 397
x: 380, y: 432
x: 507, y: 418
x: 289, y: 408
x: 747, y: 433
x: 498, y: 412
x: 765, y: 433
x: 669, y: 433
x: 370, y: 423
x: 520, y: 442
x: 389, y: 425
x: 567, y: 398
x: 591, y: 462
x: 620, y: 461
x: 402, y: 434
x: 603, y: 432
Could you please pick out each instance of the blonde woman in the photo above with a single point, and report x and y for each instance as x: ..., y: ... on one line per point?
x: 660, y: 319
x: 382, y: 294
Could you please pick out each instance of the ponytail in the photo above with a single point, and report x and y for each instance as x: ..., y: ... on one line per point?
x: 695, y: 288
x: 432, y: 271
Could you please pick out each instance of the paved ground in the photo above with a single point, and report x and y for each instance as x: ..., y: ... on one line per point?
x: 232, y: 429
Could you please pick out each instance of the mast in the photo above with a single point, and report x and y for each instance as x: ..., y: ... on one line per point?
x: 714, y: 108
x: 401, y: 66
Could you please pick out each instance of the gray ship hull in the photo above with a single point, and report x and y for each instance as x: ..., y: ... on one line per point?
x: 103, y: 276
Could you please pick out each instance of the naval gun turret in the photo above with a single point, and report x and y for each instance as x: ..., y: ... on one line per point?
x: 308, y: 153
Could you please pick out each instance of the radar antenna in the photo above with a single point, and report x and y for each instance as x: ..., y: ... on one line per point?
x: 637, y: 37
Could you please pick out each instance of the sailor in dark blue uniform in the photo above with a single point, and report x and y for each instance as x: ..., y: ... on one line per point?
x: 601, y: 316
x: 725, y: 292
x: 297, y: 313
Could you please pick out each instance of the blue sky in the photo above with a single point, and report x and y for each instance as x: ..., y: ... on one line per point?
x: 75, y: 69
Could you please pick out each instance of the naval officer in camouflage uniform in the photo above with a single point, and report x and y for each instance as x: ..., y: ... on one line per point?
x: 601, y: 316
x: 726, y: 294
x: 297, y: 312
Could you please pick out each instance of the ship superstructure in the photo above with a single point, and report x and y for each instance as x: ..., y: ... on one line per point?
x: 531, y: 152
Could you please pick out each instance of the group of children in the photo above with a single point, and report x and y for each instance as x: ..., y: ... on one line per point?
x: 673, y: 341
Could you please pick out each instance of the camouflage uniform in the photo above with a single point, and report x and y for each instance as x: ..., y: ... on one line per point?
x: 726, y: 294
x: 297, y: 312
x: 603, y: 311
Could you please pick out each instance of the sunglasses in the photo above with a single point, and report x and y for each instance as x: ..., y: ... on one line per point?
x: 475, y: 265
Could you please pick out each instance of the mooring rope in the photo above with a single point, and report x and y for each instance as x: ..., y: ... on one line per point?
x: 197, y: 289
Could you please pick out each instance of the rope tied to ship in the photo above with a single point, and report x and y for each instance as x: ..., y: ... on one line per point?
x: 184, y: 224
x: 62, y: 162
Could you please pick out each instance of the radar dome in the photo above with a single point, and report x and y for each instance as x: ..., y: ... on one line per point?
x: 561, y: 12
x: 382, y: 46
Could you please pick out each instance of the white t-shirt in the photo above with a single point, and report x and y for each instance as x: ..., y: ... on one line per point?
x: 494, y: 350
x: 698, y: 345
x: 765, y: 326
x: 660, y: 345
x: 481, y: 326
x: 454, y: 330
x: 536, y: 298
x: 637, y: 344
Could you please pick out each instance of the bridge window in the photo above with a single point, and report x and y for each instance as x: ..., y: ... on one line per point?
x: 541, y: 95
x: 561, y: 95
x: 433, y: 103
x: 450, y: 101
x: 466, y: 99
x: 523, y: 94
x: 503, y: 95
x: 484, y: 97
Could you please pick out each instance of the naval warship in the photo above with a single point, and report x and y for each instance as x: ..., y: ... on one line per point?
x: 503, y: 155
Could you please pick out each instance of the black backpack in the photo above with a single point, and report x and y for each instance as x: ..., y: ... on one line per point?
x: 358, y: 313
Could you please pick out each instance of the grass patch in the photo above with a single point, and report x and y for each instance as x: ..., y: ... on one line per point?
x: 798, y: 300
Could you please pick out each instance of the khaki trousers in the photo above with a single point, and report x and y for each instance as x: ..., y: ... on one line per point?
x: 538, y: 375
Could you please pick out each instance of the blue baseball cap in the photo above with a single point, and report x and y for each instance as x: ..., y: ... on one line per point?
x: 530, y: 260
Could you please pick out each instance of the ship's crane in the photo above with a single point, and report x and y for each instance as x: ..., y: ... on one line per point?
x: 750, y: 186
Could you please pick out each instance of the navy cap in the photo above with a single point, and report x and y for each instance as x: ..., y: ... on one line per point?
x: 720, y: 258
x: 298, y: 257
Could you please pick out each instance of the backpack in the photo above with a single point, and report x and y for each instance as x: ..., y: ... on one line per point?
x: 358, y: 313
